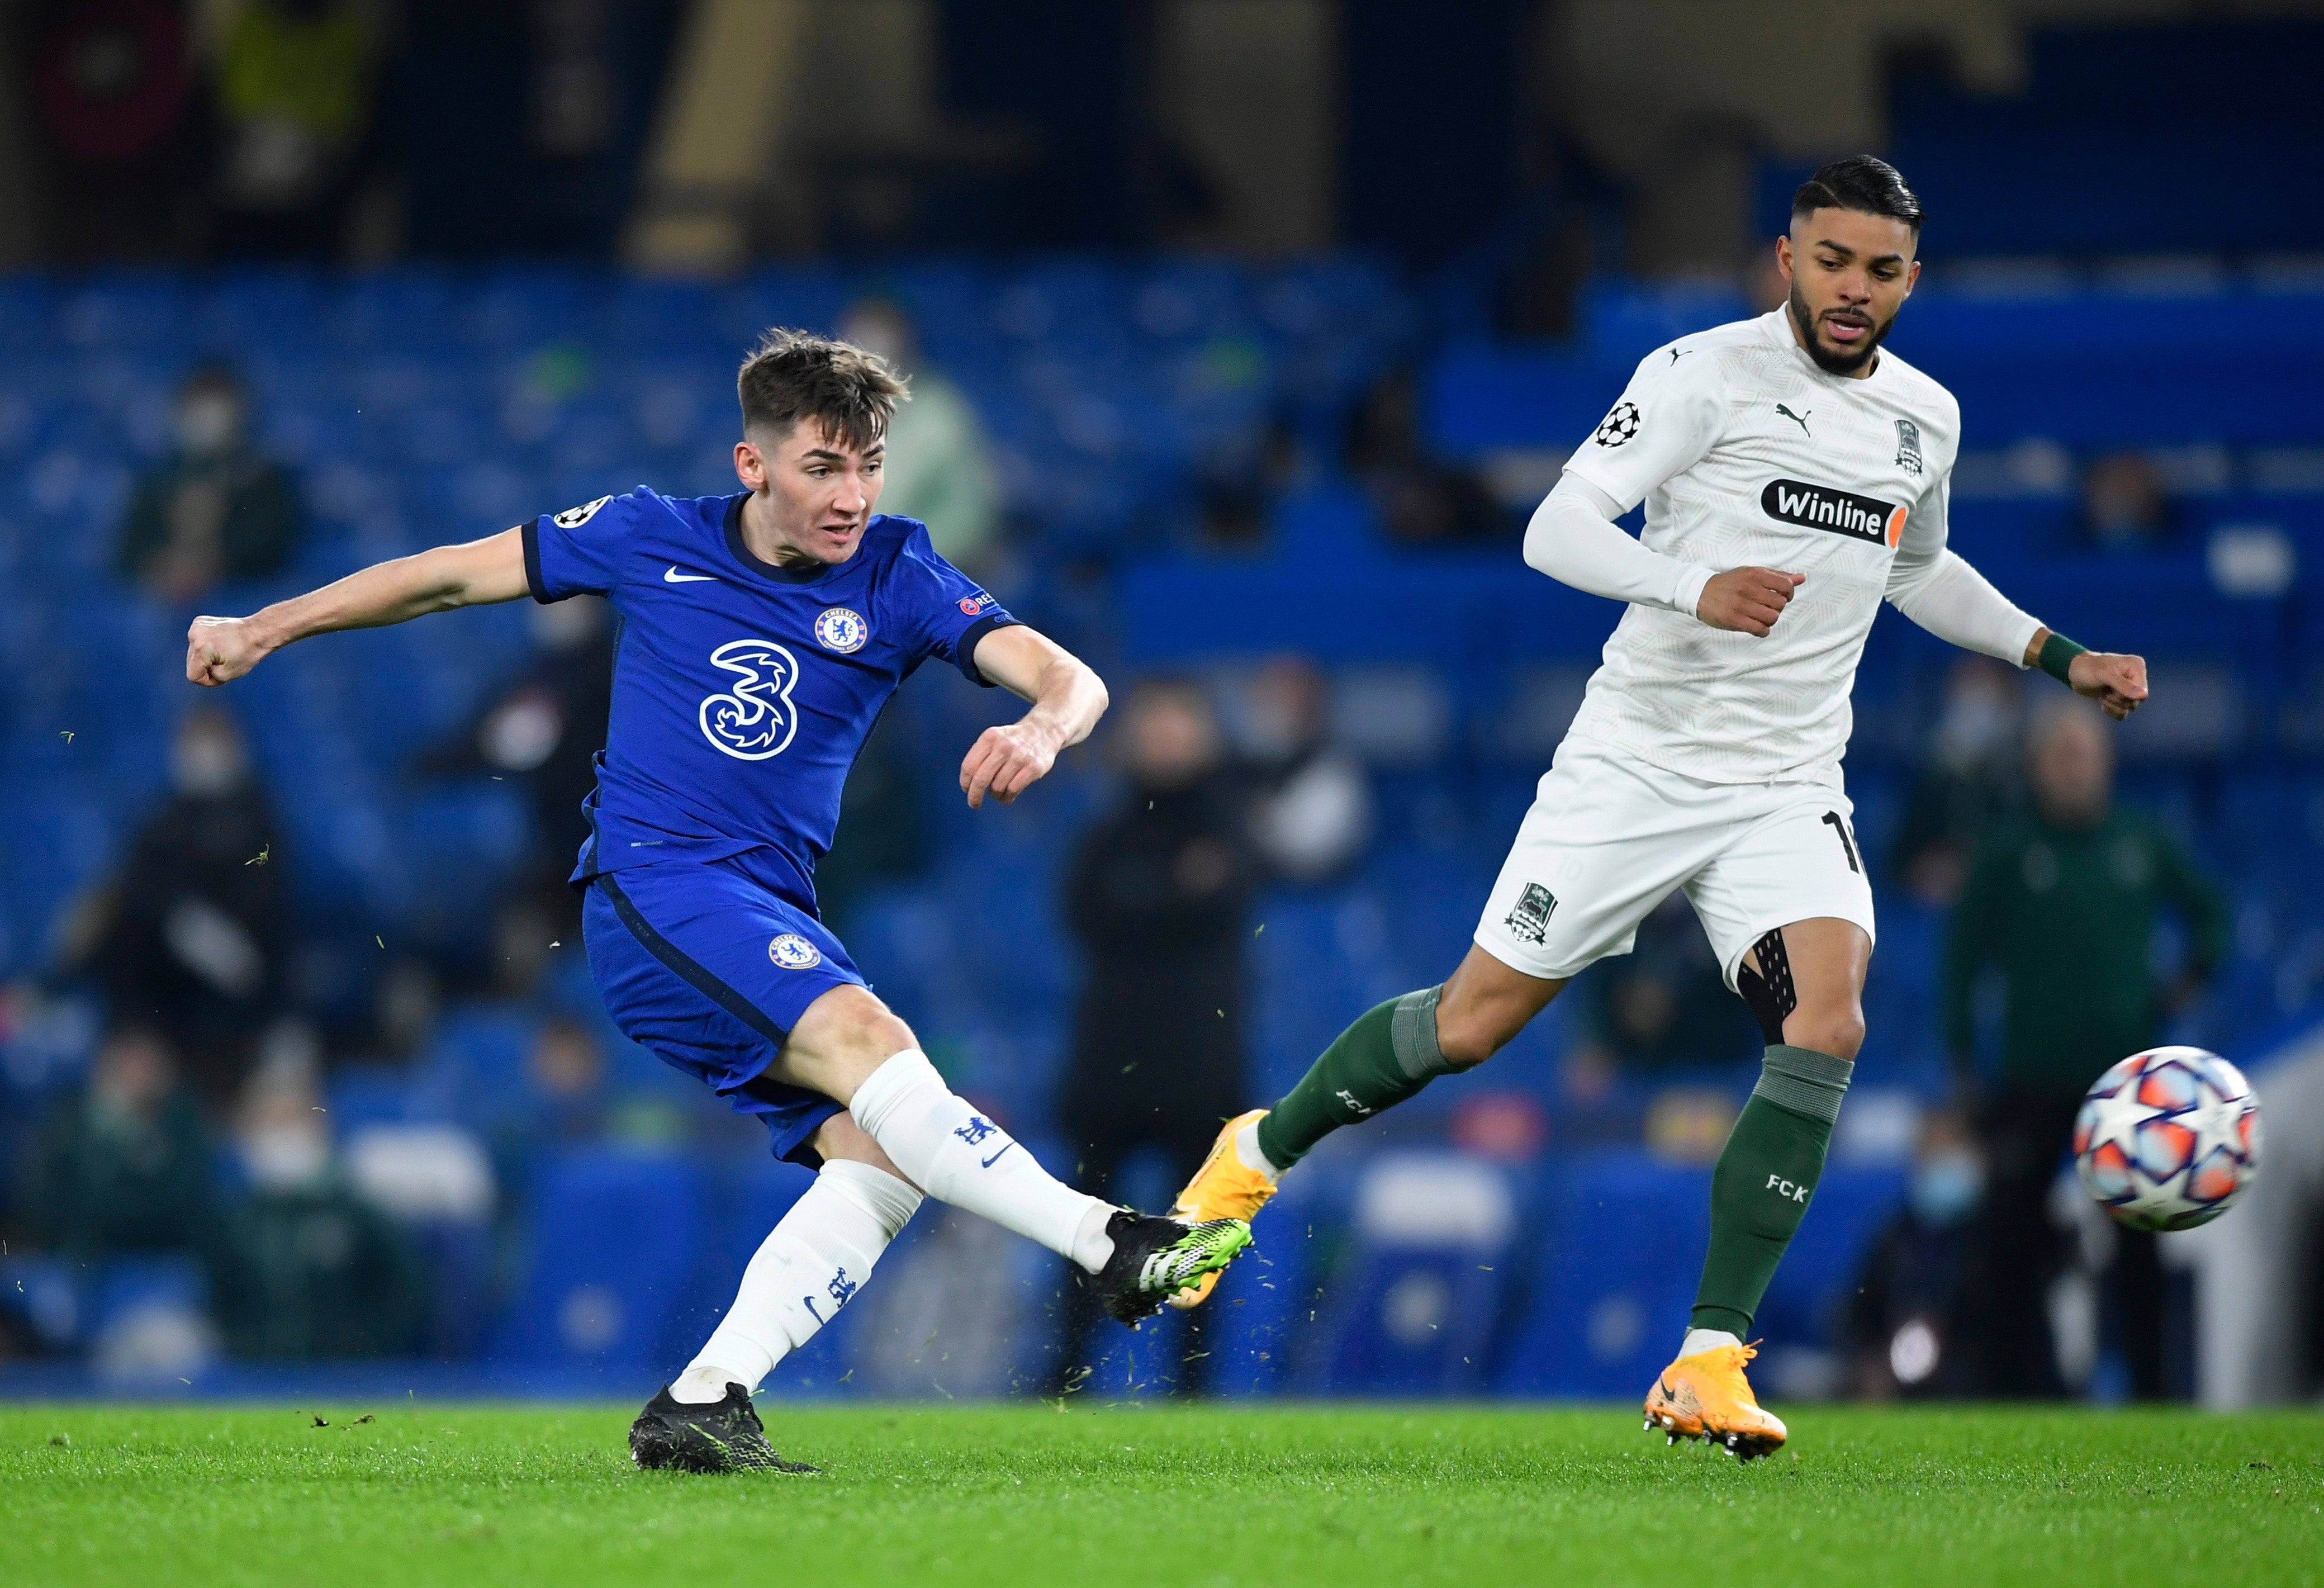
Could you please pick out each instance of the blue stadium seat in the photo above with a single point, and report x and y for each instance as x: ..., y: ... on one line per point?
x: 614, y: 1239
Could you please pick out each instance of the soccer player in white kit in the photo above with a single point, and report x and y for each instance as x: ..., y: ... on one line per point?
x: 1795, y: 474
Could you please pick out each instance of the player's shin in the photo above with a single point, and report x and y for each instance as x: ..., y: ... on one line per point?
x: 1389, y: 1054
x: 1765, y: 1176
x: 817, y: 1257
x: 958, y: 1156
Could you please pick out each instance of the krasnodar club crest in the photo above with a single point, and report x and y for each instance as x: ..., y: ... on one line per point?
x: 841, y: 629
x: 794, y: 953
x: 754, y: 720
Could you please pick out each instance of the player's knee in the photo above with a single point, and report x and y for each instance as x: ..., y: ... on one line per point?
x: 843, y: 1035
x: 1468, y: 1035
x: 1836, y: 1028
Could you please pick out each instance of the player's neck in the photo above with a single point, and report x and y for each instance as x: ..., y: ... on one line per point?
x: 765, y: 542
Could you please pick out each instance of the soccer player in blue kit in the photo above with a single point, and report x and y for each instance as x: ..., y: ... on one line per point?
x: 760, y: 636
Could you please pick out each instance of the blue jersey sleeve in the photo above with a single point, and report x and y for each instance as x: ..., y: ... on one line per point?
x: 580, y: 551
x: 947, y: 612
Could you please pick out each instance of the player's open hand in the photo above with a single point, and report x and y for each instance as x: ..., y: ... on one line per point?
x: 1006, y: 760
x: 220, y: 650
x: 1748, y: 600
x: 2117, y: 682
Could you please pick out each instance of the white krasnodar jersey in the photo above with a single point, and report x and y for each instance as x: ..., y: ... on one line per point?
x: 1748, y: 455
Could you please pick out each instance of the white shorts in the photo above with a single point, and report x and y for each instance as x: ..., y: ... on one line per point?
x: 1609, y: 836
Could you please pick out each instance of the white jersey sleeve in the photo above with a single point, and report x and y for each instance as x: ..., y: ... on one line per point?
x: 1931, y: 584
x: 1666, y: 420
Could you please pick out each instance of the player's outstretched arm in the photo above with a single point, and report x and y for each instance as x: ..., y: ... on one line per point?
x: 1067, y: 700
x: 220, y: 650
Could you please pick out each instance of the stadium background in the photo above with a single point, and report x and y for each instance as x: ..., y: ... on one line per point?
x: 1220, y: 280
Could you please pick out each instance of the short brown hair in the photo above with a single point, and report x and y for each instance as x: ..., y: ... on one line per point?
x: 790, y: 375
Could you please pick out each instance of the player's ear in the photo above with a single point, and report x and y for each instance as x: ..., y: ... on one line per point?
x: 750, y: 465
x: 1784, y: 257
x: 1912, y: 278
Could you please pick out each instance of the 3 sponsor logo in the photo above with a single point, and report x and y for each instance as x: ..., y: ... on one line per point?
x: 1825, y: 507
x: 753, y: 720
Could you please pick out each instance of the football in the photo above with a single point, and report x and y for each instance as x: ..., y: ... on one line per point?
x: 2167, y: 1139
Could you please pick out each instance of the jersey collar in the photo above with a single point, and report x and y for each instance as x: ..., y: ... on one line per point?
x: 757, y: 565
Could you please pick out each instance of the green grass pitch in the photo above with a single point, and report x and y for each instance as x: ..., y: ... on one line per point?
x: 1267, y: 1495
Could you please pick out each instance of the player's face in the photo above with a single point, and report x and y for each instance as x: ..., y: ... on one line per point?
x: 819, y: 489
x: 1849, y: 273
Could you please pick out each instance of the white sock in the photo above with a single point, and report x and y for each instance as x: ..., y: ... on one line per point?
x: 960, y: 1156
x: 1702, y: 1340
x: 1247, y: 1148
x: 802, y: 1274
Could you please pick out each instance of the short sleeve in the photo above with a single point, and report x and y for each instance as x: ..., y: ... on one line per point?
x: 580, y: 551
x: 945, y: 612
x: 1665, y: 420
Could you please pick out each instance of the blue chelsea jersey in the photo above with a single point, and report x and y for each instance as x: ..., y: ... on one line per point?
x: 742, y: 690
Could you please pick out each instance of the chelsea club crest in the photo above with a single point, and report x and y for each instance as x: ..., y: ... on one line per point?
x: 841, y: 629
x: 794, y: 953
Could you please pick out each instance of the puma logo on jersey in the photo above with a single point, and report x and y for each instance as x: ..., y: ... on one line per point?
x: 1822, y: 507
x: 1800, y: 420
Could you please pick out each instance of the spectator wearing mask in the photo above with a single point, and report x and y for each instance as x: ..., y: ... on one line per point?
x: 1968, y: 780
x: 1915, y: 1325
x: 302, y: 1269
x: 2062, y: 903
x: 192, y: 934
x: 938, y: 467
x: 124, y: 1166
x: 1156, y: 896
x: 216, y: 509
x: 1311, y: 807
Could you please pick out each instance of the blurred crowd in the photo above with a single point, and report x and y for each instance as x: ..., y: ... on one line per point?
x: 204, y: 1136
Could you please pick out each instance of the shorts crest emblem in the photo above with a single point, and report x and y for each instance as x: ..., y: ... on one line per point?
x: 1529, y: 921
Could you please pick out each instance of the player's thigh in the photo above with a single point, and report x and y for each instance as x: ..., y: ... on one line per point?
x: 1485, y: 1005
x: 839, y: 1040
x: 1607, y: 839
x: 1788, y: 896
x: 764, y: 959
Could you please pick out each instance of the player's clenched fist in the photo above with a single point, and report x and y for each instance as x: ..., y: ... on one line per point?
x: 220, y: 650
x: 1006, y: 760
x: 2117, y: 682
x: 1748, y: 600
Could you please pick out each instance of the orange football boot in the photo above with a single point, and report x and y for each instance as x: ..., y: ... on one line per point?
x: 1706, y: 1396
x: 1223, y: 1182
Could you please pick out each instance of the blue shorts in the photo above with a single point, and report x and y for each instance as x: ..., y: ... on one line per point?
x: 709, y: 972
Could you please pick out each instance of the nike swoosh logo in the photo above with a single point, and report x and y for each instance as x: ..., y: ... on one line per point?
x: 675, y: 578
x: 996, y: 1156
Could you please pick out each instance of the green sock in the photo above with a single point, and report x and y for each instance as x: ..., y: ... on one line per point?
x: 1386, y: 1056
x: 1766, y: 1173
